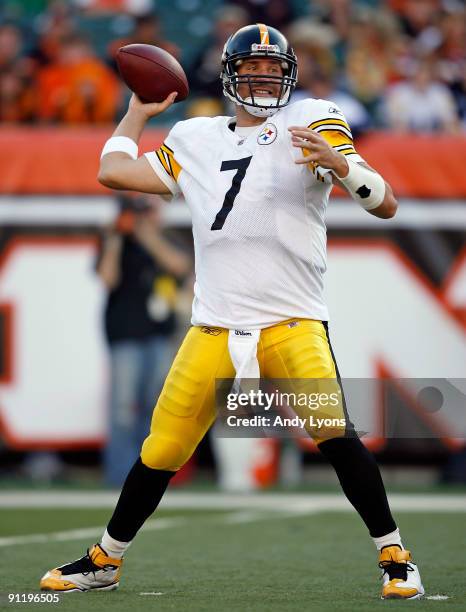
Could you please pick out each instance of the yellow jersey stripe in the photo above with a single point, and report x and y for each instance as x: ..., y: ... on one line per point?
x: 328, y: 121
x: 168, y: 161
x: 175, y: 167
x: 337, y: 134
x: 334, y: 128
x: 168, y: 148
x: 163, y: 161
x: 336, y: 137
x: 339, y: 140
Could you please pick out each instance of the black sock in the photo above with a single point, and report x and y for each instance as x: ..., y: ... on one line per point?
x: 360, y: 478
x: 141, y: 494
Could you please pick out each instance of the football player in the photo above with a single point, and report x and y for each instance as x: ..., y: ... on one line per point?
x: 257, y: 185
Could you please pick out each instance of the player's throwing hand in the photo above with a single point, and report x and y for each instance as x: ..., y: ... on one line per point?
x: 151, y: 109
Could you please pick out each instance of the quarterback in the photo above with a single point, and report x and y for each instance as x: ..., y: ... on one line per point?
x: 257, y: 186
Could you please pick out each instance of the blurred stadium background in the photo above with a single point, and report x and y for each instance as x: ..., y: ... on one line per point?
x: 396, y: 289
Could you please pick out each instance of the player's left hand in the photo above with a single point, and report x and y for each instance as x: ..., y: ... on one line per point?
x: 320, y: 152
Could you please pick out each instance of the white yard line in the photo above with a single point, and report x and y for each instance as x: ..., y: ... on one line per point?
x: 243, y: 509
x: 230, y: 518
x: 83, y: 534
x: 228, y: 501
x: 58, y: 499
x: 249, y: 516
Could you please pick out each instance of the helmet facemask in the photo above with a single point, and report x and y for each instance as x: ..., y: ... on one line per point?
x: 259, y: 106
x: 258, y: 41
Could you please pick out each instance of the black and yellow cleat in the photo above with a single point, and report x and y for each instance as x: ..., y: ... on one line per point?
x: 95, y: 571
x: 401, y: 579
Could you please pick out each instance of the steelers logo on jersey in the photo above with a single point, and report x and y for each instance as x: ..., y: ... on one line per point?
x: 267, y: 135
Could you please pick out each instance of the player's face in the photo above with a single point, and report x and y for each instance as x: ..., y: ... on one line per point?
x: 261, y: 87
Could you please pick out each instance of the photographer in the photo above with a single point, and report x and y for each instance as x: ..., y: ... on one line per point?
x: 141, y: 269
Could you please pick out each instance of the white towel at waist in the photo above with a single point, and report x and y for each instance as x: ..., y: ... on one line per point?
x: 242, y: 344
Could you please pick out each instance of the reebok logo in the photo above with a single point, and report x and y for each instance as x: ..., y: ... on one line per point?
x: 240, y: 332
x: 211, y: 331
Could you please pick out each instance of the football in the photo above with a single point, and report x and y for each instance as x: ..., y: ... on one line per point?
x: 151, y: 72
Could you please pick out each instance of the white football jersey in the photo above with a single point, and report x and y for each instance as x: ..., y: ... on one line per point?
x: 258, y: 218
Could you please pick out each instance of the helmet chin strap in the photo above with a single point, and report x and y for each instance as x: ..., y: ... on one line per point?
x: 268, y: 109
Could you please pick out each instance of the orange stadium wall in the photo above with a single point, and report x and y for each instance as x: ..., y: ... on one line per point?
x: 53, y: 362
x: 65, y: 161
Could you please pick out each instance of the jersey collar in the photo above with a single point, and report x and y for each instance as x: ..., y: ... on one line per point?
x: 236, y: 138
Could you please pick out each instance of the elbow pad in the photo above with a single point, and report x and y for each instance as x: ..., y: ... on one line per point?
x: 365, y: 186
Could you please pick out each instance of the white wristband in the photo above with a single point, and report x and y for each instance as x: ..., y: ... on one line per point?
x: 365, y: 186
x: 120, y: 144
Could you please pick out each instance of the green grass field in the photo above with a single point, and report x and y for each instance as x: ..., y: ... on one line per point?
x: 238, y: 561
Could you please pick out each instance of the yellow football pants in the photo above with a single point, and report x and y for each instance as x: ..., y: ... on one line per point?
x: 295, y: 349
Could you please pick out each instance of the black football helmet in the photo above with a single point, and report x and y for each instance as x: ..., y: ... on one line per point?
x: 258, y: 40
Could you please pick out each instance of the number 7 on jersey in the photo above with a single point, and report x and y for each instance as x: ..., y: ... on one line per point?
x: 240, y: 165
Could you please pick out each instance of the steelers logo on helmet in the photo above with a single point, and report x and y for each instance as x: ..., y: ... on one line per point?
x: 258, y: 41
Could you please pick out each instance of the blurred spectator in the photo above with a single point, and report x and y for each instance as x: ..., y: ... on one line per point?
x: 205, y: 77
x: 459, y: 93
x: 362, y: 46
x: 369, y: 58
x: 324, y: 87
x: 53, y: 26
x: 204, y: 107
x: 17, y: 98
x: 78, y: 87
x: 147, y: 30
x: 11, y: 44
x: 452, y: 50
x: 421, y: 104
x: 139, y: 266
x: 336, y: 13
x: 417, y: 17
x: 274, y: 13
x: 133, y: 7
x: 313, y: 44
